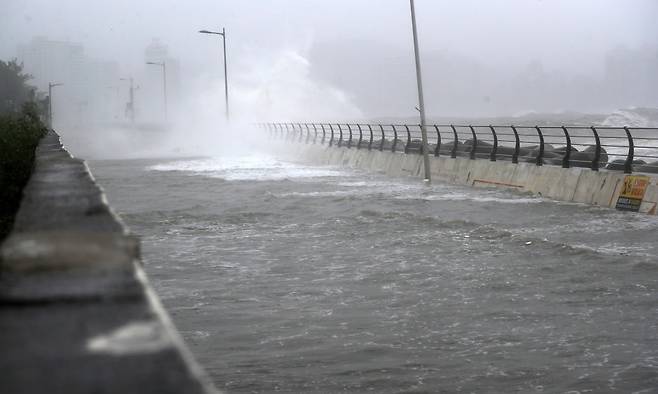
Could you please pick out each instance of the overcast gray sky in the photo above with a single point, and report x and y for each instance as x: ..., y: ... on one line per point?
x: 568, y: 36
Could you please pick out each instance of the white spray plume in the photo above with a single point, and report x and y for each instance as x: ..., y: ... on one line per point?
x: 262, y: 87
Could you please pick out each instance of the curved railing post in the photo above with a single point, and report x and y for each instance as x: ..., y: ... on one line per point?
x: 331, y: 141
x: 308, y: 133
x: 340, y: 135
x: 438, y: 141
x: 358, y: 146
x: 540, y: 156
x: 406, y: 146
x: 597, y: 153
x: 371, y: 137
x: 287, y: 136
x: 381, y: 143
x: 494, y: 150
x: 475, y: 143
x: 455, y: 143
x: 349, y: 142
x: 395, y: 138
x: 315, y: 133
x: 517, y: 146
x: 628, y: 166
x: 324, y: 133
x: 567, y: 152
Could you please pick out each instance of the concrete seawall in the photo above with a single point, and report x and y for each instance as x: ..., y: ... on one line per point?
x: 77, y: 314
x: 580, y: 185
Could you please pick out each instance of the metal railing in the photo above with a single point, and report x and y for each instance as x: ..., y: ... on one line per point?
x: 625, y: 149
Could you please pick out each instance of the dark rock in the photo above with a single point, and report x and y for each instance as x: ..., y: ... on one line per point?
x: 415, y: 146
x: 618, y: 165
x: 563, y: 149
x: 548, y: 158
x: 585, y: 158
x: 650, y: 168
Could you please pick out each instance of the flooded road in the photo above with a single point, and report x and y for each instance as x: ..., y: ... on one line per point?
x: 294, y: 278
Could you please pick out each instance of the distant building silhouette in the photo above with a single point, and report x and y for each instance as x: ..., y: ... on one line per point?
x: 89, y: 91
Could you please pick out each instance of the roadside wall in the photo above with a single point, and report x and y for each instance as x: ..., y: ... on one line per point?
x: 77, y: 314
x: 581, y: 185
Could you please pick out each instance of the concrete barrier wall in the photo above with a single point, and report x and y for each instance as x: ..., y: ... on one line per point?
x: 581, y: 185
x: 77, y: 314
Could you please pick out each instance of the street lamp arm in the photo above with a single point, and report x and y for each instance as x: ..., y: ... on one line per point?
x: 211, y: 32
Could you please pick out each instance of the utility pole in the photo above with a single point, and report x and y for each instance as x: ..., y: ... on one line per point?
x: 50, y: 102
x: 132, y: 101
x: 164, y: 83
x: 131, y: 98
x: 223, y: 34
x: 421, y: 100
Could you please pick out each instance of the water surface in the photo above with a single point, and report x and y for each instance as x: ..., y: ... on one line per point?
x: 294, y: 278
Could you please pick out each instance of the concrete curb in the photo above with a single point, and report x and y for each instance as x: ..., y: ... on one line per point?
x: 77, y: 314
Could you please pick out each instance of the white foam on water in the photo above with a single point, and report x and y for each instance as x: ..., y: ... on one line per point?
x: 254, y: 168
x: 439, y: 192
x: 346, y: 183
x: 335, y: 193
x: 615, y: 248
x: 476, y: 196
x: 405, y: 191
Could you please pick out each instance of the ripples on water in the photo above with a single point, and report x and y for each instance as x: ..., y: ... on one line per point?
x: 321, y: 279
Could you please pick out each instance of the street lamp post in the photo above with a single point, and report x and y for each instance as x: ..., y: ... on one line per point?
x: 421, y: 100
x: 223, y: 34
x: 164, y: 82
x: 50, y: 102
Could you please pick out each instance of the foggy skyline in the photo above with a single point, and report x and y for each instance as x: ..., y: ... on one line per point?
x: 472, y: 51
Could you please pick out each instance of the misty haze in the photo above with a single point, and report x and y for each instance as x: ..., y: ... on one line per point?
x: 316, y: 214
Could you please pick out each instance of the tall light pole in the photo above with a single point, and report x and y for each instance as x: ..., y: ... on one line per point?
x: 50, y: 102
x: 421, y: 100
x: 164, y: 82
x: 223, y: 34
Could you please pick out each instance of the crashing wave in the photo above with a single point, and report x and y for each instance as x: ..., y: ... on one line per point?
x: 632, y: 117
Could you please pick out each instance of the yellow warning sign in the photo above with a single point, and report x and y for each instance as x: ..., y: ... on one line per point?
x: 632, y: 192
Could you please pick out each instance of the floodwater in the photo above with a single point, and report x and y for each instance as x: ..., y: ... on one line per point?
x: 293, y: 278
